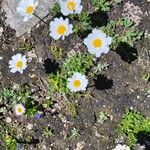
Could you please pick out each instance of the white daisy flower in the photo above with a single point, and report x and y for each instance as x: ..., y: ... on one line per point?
x: 19, y: 109
x: 60, y: 28
x: 18, y: 63
x: 26, y: 8
x: 97, y: 42
x: 121, y: 147
x: 70, y: 7
x: 77, y: 82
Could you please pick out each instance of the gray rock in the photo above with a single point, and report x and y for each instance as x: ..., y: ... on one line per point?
x: 16, y: 21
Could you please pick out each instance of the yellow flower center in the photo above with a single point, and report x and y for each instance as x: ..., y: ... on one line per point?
x: 61, y: 29
x: 20, y: 110
x: 71, y: 5
x: 97, y: 43
x: 29, y: 10
x: 19, y: 64
x: 77, y: 83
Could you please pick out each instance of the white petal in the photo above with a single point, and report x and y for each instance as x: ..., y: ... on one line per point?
x: 26, y: 18
x: 63, y: 37
x: 36, y: 4
x: 98, y: 54
x: 105, y: 50
x: 65, y: 12
x: 24, y: 59
x: 19, y: 56
x: 109, y: 40
x: 21, y: 71
x: 20, y: 10
x: 79, y: 9
x: 13, y: 70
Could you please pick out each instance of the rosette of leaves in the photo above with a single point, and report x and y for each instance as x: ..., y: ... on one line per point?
x: 122, y: 31
x: 104, y: 5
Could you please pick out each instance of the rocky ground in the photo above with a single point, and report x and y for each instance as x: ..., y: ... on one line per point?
x: 120, y: 87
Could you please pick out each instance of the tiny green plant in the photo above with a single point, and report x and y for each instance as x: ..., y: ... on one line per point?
x: 77, y: 62
x: 22, y: 95
x: 75, y: 133
x: 8, y: 94
x: 8, y: 136
x: 102, y: 117
x: 10, y: 142
x: 26, y: 45
x: 56, y: 52
x: 48, y: 132
x: 104, y: 5
x: 83, y: 24
x: 47, y: 103
x: 146, y: 77
x: 71, y: 108
x: 55, y: 10
x: 28, y: 139
x: 31, y: 110
x: 131, y: 125
x: 98, y: 68
x: 127, y: 33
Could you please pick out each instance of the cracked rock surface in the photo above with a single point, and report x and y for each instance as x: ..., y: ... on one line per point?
x: 9, y: 6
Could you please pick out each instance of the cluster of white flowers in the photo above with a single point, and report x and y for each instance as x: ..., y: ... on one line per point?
x: 60, y: 27
x: 26, y: 8
x: 97, y: 42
